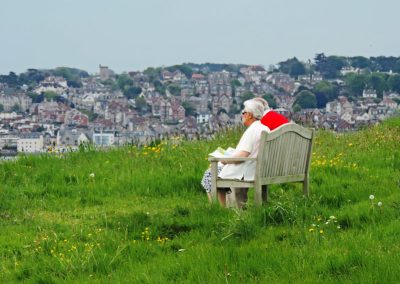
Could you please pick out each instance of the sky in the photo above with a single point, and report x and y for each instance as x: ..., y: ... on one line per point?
x: 131, y: 35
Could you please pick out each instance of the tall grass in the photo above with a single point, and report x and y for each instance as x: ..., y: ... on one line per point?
x: 139, y: 215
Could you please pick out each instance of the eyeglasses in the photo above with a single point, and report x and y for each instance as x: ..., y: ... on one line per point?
x: 244, y: 112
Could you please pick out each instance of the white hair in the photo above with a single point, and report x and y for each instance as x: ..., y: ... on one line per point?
x: 254, y: 107
x: 263, y: 101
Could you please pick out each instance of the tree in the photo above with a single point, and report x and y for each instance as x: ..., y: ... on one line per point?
x: 36, y: 98
x: 393, y: 83
x: 1, y: 107
x: 124, y: 80
x: 377, y: 81
x: 329, y: 66
x: 235, y: 83
x: 72, y: 75
x: 111, y: 83
x: 324, y: 92
x: 292, y: 66
x: 385, y: 64
x: 31, y: 77
x: 306, y: 99
x: 152, y: 73
x: 189, y: 109
x: 296, y: 108
x: 50, y: 95
x: 355, y: 83
x: 297, y: 69
x: 91, y: 115
x: 141, y: 104
x: 16, y: 108
x: 397, y: 66
x: 360, y: 62
x: 132, y: 92
x: 159, y: 87
x: 183, y: 68
x: 11, y: 79
x: 174, y: 89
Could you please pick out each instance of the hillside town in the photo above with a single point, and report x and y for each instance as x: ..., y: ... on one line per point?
x: 101, y: 110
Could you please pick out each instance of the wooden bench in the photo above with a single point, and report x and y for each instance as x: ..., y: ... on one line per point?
x: 284, y: 156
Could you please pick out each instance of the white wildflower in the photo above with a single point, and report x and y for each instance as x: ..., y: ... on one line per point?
x: 91, y: 175
x: 372, y: 197
x: 379, y: 203
x: 332, y: 217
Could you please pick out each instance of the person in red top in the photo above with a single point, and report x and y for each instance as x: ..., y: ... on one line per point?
x: 271, y: 119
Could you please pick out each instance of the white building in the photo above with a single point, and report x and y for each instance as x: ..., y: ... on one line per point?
x: 9, y: 101
x: 30, y: 143
x: 52, y: 84
x: 103, y: 139
x: 368, y: 93
x: 203, y: 118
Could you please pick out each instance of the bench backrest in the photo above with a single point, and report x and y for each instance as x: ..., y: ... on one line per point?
x: 284, y: 154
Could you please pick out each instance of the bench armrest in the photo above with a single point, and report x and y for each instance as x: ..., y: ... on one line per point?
x: 233, y: 159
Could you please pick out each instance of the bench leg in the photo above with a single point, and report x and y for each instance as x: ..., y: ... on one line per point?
x: 265, y: 196
x: 257, y: 194
x: 237, y: 198
x: 231, y: 201
x: 214, y: 173
x: 306, y: 191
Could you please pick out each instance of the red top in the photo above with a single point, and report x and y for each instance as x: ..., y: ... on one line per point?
x: 273, y: 120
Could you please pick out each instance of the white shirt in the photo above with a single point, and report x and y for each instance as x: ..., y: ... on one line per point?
x: 249, y: 142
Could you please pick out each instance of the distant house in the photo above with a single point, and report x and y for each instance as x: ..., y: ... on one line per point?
x: 199, y: 103
x: 105, y: 73
x: 365, y: 117
x: 219, y: 103
x: 202, y: 88
x: 203, y: 118
x: 17, y: 99
x: 30, y: 143
x: 344, y: 125
x: 223, y: 77
x: 283, y: 81
x: 347, y: 117
x: 388, y: 102
x: 103, y: 138
x: 339, y: 106
x: 285, y: 112
x: 198, y: 77
x: 72, y: 137
x: 169, y: 110
x: 348, y: 70
x: 369, y: 93
x: 166, y: 75
x: 75, y: 117
x: 221, y: 89
x: 54, y: 84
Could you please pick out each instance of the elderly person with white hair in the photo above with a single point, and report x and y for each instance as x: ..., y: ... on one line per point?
x: 247, y: 147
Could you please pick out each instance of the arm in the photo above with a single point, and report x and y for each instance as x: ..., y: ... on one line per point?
x: 238, y: 154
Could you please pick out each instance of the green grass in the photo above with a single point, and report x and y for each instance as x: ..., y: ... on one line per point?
x: 139, y: 215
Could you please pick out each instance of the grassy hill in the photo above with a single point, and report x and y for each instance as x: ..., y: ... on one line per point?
x: 139, y: 215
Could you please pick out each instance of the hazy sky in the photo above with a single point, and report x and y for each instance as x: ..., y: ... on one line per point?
x: 129, y: 35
